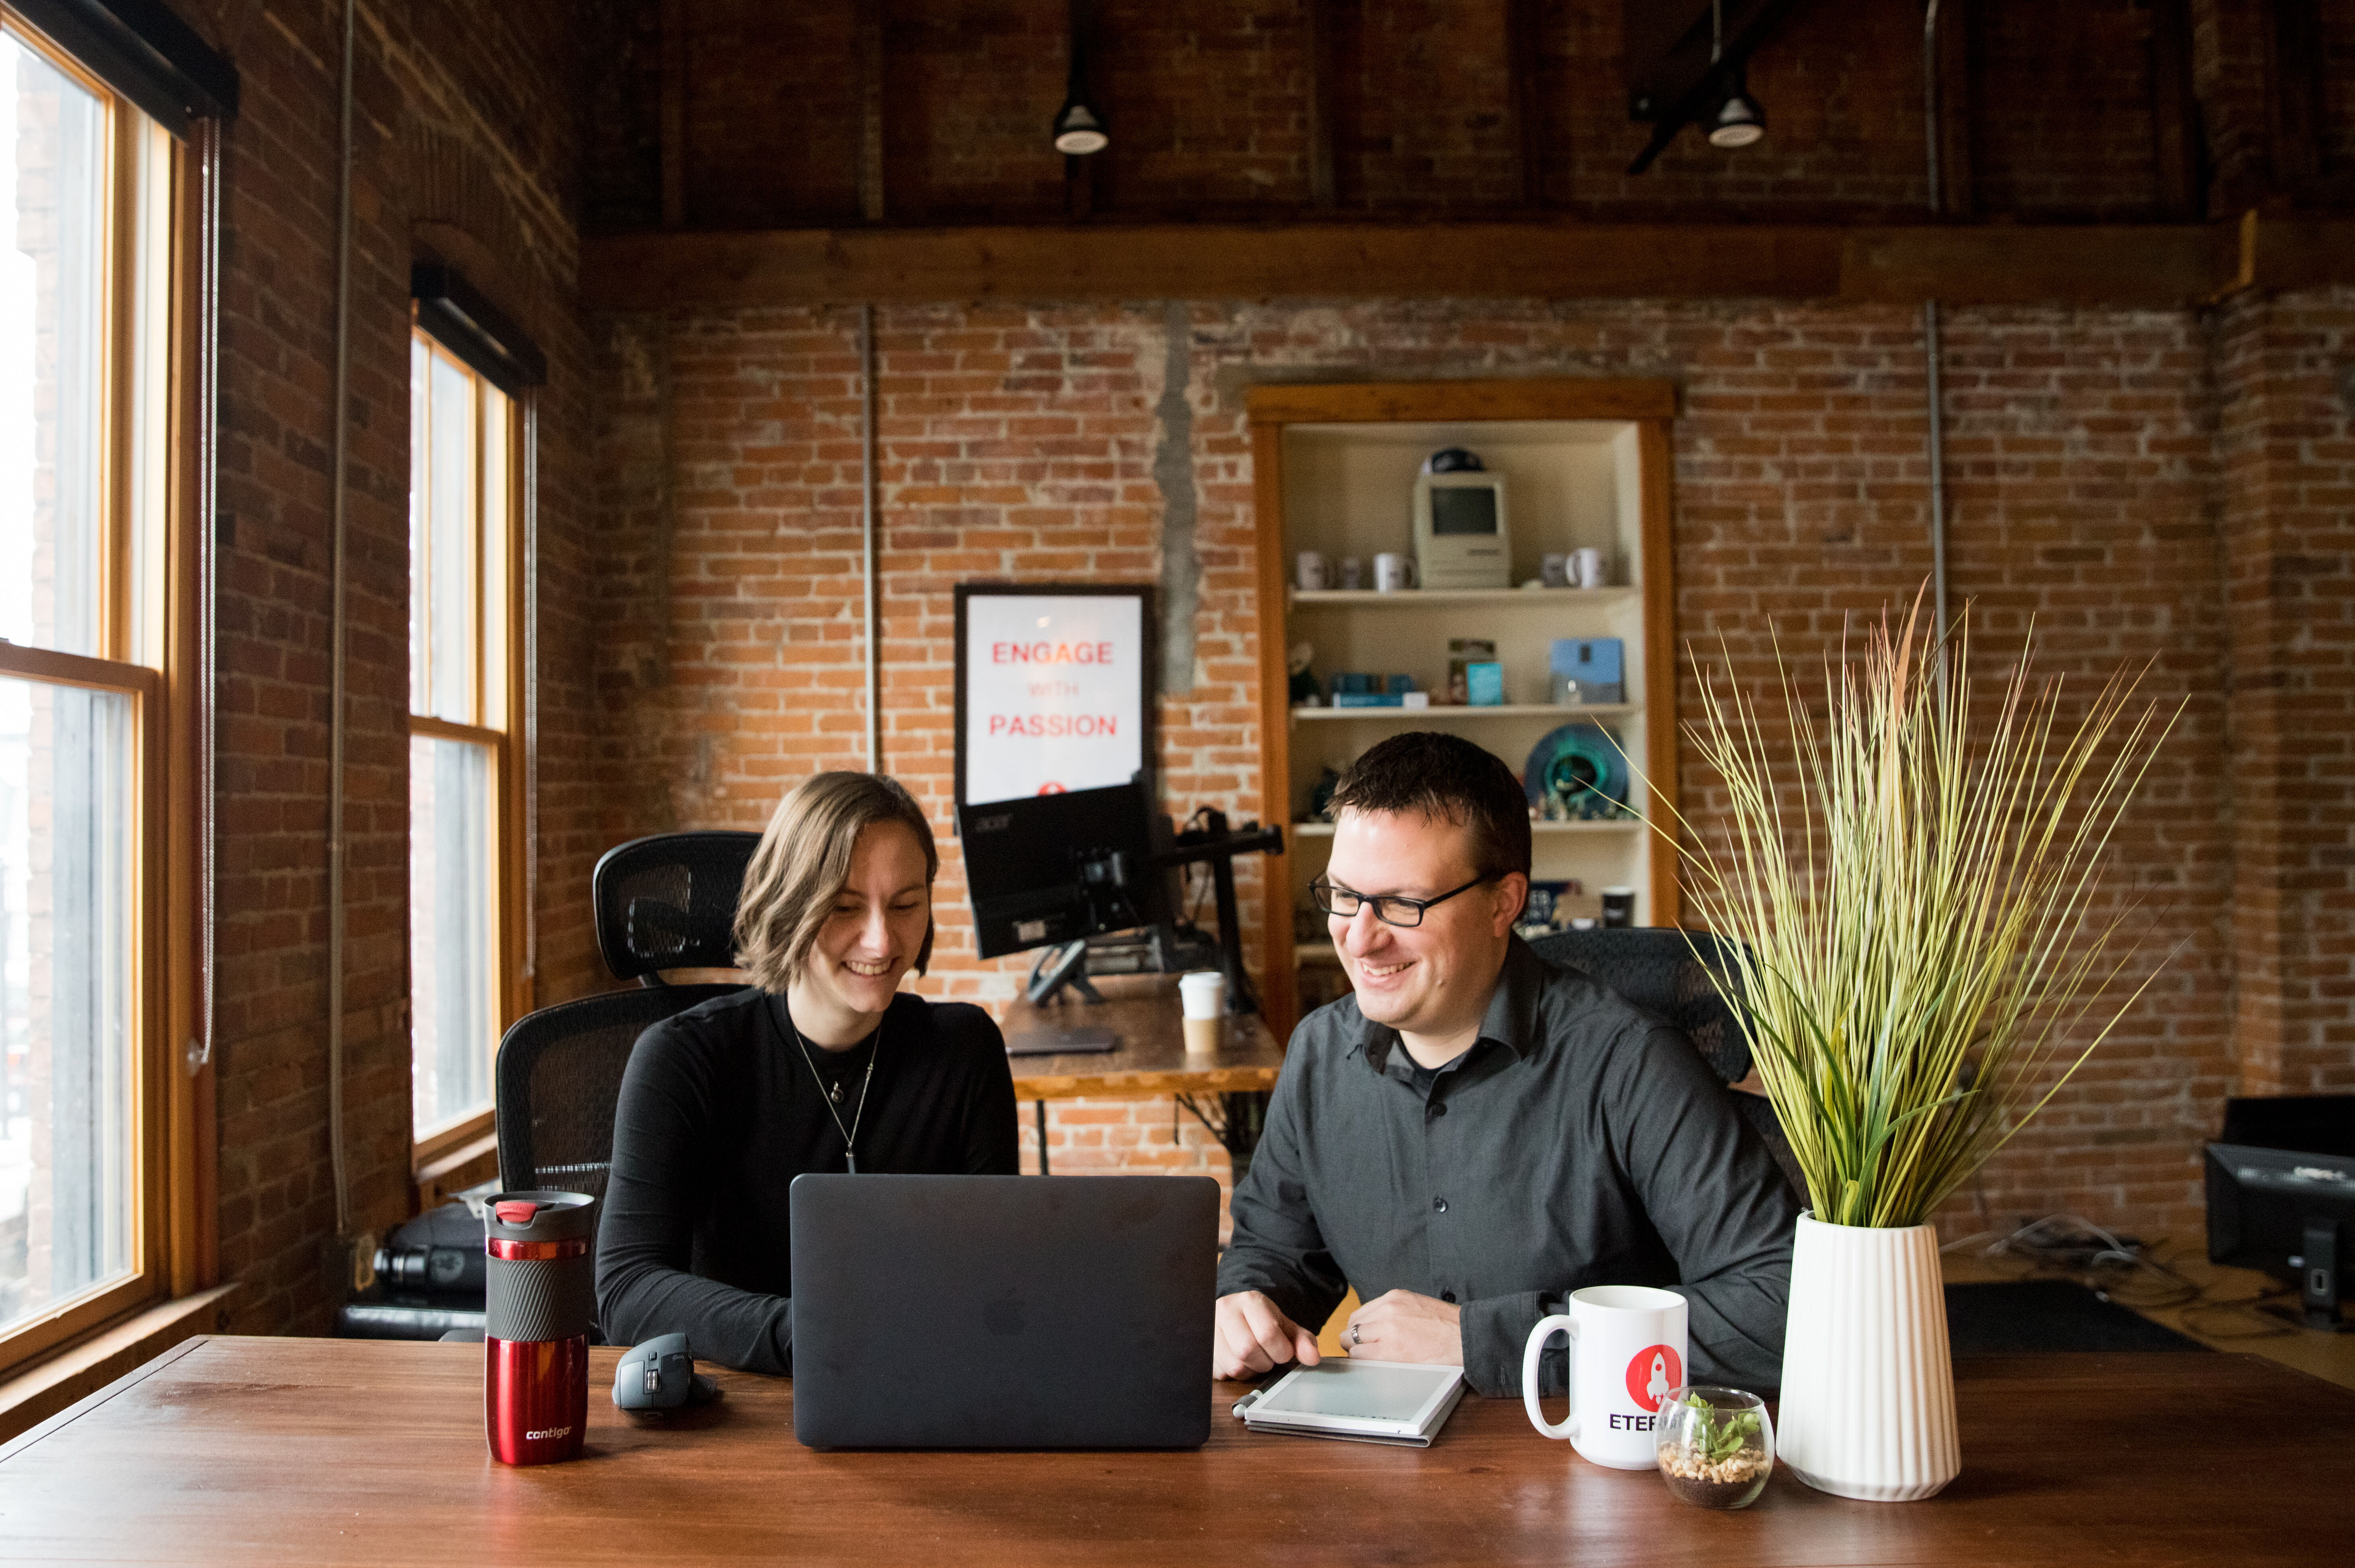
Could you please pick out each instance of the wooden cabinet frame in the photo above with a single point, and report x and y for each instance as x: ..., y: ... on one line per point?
x: 1650, y: 405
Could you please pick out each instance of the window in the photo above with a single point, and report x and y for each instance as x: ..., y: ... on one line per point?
x: 95, y: 628
x: 464, y: 796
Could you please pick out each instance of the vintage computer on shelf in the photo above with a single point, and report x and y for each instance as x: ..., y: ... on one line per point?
x: 2281, y: 1196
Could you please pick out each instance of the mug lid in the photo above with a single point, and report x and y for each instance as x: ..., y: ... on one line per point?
x: 539, y: 1214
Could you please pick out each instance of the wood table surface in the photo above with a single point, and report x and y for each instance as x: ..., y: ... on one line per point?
x: 336, y: 1451
x: 1152, y: 1058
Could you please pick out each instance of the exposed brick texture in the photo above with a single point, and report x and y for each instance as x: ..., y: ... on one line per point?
x: 2287, y: 375
x: 972, y: 90
x: 468, y: 155
x: 1016, y: 444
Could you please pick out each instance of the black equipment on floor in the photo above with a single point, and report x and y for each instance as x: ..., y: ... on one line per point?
x: 2280, y: 1197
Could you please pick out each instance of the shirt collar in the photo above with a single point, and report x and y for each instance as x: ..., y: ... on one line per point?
x: 1510, y: 1021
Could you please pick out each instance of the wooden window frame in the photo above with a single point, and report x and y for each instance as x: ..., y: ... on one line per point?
x: 463, y: 1151
x: 150, y: 653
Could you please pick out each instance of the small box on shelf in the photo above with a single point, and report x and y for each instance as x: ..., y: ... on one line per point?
x: 1586, y: 670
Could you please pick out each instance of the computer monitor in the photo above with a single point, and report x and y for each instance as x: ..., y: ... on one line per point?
x: 2286, y: 1211
x: 1051, y: 869
x: 2309, y: 1123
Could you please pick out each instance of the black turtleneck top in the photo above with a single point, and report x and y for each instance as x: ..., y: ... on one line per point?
x: 720, y: 1109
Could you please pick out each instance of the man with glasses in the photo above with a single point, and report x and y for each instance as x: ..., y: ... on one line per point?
x: 1475, y: 1133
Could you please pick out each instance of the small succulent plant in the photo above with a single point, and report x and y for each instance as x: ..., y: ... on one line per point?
x: 1720, y: 1434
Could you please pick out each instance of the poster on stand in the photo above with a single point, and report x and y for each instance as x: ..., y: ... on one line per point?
x: 1054, y: 688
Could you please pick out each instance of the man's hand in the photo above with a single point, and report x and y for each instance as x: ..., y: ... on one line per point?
x: 1404, y: 1326
x: 1254, y: 1335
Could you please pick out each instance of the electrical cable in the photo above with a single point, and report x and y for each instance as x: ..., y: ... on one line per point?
x: 2114, y: 1268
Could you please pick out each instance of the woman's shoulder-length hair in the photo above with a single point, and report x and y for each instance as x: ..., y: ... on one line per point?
x: 803, y: 861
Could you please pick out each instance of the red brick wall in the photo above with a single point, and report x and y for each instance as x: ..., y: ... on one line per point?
x: 1018, y: 443
x: 468, y: 154
x: 2062, y: 121
x: 971, y: 90
x: 2287, y: 445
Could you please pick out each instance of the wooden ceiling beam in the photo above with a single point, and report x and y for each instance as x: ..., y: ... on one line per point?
x: 2145, y: 264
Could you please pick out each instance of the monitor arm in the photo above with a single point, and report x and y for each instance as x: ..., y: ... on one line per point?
x: 1219, y: 848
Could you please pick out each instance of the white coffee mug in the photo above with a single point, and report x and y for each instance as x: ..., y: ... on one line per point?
x: 1586, y: 568
x: 1311, y: 567
x: 1393, y: 572
x: 1627, y: 1351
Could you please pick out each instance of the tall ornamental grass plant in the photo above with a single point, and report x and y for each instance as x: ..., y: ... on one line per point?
x: 1923, y: 944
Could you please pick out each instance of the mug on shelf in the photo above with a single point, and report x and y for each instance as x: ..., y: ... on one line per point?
x: 1587, y: 568
x: 1311, y: 569
x: 1393, y: 572
x: 1353, y: 573
x: 1554, y: 570
x: 1626, y: 1356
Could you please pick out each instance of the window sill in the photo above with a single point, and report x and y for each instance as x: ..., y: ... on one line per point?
x: 456, y: 1167
x: 31, y: 1396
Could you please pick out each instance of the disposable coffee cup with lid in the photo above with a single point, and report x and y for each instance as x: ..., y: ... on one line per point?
x: 1203, y: 994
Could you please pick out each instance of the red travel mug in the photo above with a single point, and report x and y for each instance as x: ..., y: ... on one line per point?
x: 540, y: 1306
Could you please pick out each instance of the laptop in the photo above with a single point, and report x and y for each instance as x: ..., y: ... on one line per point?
x: 1003, y: 1311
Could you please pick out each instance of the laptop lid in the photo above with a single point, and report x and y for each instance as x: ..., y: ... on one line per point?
x: 1003, y: 1311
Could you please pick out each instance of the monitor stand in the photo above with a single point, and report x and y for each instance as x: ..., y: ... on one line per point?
x: 1056, y: 967
x: 1219, y: 848
x: 1066, y: 967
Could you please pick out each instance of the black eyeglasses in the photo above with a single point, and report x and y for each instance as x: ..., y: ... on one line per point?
x: 1390, y: 908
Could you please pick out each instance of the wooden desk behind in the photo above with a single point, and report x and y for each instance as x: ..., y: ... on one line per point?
x: 1151, y: 1059
x: 336, y: 1451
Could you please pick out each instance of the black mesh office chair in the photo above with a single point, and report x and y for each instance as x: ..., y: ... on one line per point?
x: 1654, y: 967
x: 663, y: 903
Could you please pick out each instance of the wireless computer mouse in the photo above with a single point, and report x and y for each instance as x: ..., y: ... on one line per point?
x: 660, y: 1375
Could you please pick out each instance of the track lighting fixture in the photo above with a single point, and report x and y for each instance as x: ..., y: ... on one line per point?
x: 1739, y: 121
x: 1079, y: 129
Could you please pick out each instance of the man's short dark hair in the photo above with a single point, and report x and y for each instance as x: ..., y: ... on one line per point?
x: 1444, y: 775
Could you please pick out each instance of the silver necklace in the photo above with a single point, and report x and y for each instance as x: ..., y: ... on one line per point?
x: 833, y: 1100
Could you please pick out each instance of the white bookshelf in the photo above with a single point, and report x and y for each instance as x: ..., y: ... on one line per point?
x: 1342, y: 485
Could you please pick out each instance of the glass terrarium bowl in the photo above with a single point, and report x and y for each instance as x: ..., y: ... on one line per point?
x: 1716, y: 1446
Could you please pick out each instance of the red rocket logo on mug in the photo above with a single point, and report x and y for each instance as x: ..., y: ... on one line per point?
x: 1656, y: 1369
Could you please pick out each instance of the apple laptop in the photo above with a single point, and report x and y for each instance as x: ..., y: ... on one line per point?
x: 1003, y: 1311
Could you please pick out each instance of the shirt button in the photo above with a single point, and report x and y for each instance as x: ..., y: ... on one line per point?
x: 1437, y: 1108
x: 1448, y: 1297
x: 1440, y: 1203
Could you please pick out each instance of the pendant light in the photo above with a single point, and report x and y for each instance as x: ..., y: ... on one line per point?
x: 1079, y: 130
x: 1738, y: 120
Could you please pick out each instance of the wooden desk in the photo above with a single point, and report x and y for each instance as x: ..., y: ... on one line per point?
x: 1151, y: 1059
x: 333, y: 1451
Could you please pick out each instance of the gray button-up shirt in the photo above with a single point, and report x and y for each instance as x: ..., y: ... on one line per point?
x: 1579, y: 1141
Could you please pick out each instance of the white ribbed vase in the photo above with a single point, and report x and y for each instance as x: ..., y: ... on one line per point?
x: 1867, y: 1383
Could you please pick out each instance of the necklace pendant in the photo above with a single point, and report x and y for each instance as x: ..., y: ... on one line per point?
x: 851, y: 1163
x: 836, y: 1094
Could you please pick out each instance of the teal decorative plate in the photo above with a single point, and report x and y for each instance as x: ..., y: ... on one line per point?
x: 1575, y: 763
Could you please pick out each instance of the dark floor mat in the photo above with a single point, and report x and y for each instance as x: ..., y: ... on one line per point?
x: 2031, y: 1315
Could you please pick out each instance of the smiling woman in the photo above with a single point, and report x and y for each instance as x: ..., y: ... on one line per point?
x: 825, y: 1065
